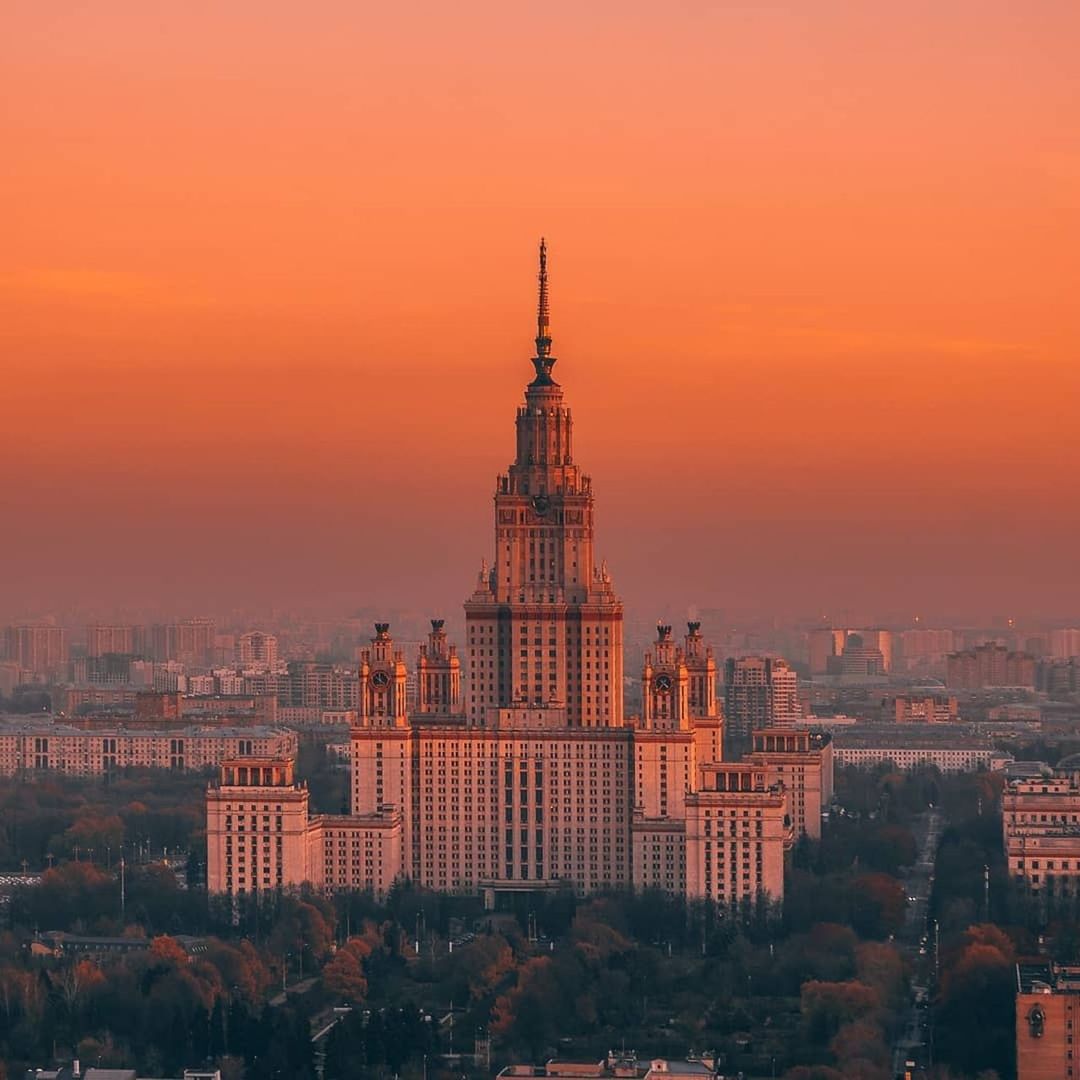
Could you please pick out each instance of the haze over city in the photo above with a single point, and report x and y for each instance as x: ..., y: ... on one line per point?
x: 266, y: 302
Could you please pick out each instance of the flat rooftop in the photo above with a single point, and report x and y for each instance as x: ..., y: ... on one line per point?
x: 911, y: 737
x: 1046, y: 977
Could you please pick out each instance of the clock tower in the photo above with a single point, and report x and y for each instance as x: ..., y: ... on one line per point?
x: 544, y: 626
x: 382, y: 682
x: 665, y: 685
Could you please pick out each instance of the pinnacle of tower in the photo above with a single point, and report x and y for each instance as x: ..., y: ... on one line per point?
x: 543, y: 361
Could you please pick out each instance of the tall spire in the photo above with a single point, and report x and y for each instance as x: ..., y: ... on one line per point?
x: 543, y: 359
x: 543, y: 336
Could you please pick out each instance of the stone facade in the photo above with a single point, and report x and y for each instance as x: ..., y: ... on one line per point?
x: 1047, y: 1018
x: 1040, y: 820
x: 801, y: 762
x: 32, y: 745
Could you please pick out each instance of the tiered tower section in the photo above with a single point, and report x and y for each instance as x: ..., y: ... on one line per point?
x: 665, y: 685
x: 544, y: 626
x: 383, y: 678
x: 438, y: 675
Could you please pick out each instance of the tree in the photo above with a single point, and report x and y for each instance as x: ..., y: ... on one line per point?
x: 73, y: 895
x: 343, y: 976
x: 242, y: 972
x: 476, y: 969
x: 890, y: 848
x: 827, y: 953
x: 827, y: 1006
x: 96, y: 832
x: 877, y: 905
x: 303, y: 924
x: 975, y: 1017
x: 531, y: 1014
x: 168, y: 951
x: 74, y: 981
x: 882, y: 966
x: 860, y: 1049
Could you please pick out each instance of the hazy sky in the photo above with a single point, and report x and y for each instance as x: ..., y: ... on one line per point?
x: 267, y: 298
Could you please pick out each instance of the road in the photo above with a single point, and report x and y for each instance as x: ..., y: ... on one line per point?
x: 301, y: 987
x: 914, y: 1043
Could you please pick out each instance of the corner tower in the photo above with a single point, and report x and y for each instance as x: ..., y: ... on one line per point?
x: 383, y: 678
x: 438, y: 674
x: 544, y: 626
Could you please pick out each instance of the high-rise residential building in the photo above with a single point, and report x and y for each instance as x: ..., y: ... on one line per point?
x: 11, y: 675
x: 1065, y: 643
x: 759, y: 692
x: 256, y: 651
x: 106, y: 669
x: 516, y: 770
x: 191, y: 643
x: 822, y: 645
x: 990, y: 664
x: 41, y: 649
x: 102, y: 640
x: 747, y: 694
x: 1058, y: 678
x: 925, y: 650
x: 314, y: 685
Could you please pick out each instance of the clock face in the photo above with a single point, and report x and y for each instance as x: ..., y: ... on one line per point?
x: 541, y: 504
x: 662, y: 684
x: 380, y: 680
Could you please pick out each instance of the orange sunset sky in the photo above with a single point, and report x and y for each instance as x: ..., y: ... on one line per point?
x: 267, y: 282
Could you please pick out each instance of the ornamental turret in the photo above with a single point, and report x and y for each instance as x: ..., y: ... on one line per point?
x: 438, y: 674
x: 383, y: 678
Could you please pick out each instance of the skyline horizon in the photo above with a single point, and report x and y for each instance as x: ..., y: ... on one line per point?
x: 884, y: 614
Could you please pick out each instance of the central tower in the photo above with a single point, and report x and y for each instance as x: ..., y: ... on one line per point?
x: 544, y: 626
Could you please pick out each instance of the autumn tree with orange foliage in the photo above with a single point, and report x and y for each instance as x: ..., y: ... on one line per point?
x: 974, y: 1020
x: 343, y: 976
